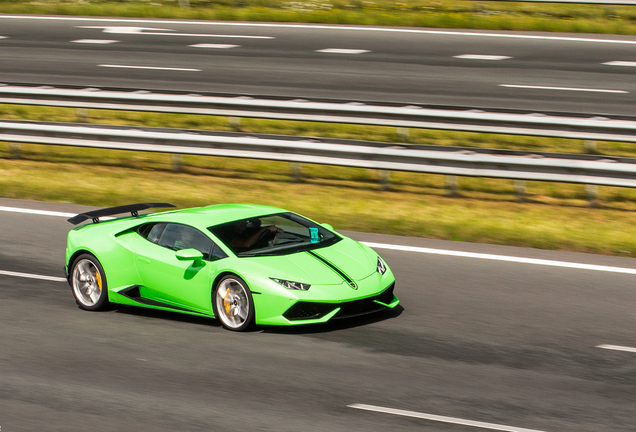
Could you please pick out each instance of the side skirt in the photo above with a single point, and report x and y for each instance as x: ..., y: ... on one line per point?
x: 132, y: 296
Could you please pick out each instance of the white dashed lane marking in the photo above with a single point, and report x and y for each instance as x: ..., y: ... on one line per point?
x: 620, y: 63
x: 149, y: 67
x: 562, y: 88
x: 95, y: 41
x: 442, y: 419
x: 342, y: 51
x: 482, y: 57
x: 166, y: 32
x: 214, y: 46
x: 617, y: 348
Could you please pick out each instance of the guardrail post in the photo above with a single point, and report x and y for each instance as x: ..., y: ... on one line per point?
x: 177, y: 162
x: 235, y: 123
x: 590, y: 146
x: 592, y: 195
x: 385, y: 179
x: 296, y: 171
x: 14, y: 151
x: 403, y: 133
x: 520, y: 190
x: 452, y: 185
x: 82, y: 115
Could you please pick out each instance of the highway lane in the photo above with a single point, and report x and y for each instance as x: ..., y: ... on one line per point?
x: 505, y: 343
x: 561, y: 72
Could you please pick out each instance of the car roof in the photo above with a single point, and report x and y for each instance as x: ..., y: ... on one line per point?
x: 203, y: 217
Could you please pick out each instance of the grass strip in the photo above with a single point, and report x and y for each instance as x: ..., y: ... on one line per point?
x: 351, y: 199
x: 493, y: 15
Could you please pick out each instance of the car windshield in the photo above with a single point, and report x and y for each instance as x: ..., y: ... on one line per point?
x: 271, y: 235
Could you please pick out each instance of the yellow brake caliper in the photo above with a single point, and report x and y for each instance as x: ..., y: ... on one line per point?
x: 226, y: 302
x: 98, y: 278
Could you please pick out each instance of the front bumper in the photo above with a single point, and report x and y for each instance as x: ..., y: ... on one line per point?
x: 300, y: 311
x: 303, y: 310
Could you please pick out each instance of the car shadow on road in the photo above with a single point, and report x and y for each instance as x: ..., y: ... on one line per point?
x: 167, y: 315
x: 334, y: 325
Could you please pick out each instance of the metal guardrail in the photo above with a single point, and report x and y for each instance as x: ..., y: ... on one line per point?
x: 455, y: 161
x: 511, y: 122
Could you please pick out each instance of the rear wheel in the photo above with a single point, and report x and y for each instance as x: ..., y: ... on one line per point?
x: 233, y: 304
x: 89, y: 283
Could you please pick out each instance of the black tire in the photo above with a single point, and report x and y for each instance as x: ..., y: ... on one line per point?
x: 88, y: 283
x: 232, y: 303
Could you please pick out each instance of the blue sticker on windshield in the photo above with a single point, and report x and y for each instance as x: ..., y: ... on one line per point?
x: 315, y: 237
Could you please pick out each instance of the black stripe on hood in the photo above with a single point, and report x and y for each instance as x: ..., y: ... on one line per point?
x: 342, y: 274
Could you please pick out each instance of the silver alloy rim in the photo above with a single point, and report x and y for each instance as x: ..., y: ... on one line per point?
x: 87, y: 283
x: 232, y: 303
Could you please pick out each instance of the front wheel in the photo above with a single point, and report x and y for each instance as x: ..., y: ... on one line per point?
x: 89, y: 283
x: 233, y: 304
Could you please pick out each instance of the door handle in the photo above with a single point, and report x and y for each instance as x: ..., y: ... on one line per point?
x: 143, y: 260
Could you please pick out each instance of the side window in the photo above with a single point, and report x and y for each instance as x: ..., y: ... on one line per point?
x: 152, y: 231
x: 177, y: 237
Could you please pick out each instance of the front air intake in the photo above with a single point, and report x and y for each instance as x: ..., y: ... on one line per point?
x: 308, y: 310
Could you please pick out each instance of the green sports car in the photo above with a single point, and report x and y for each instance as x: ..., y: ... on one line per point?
x: 243, y: 264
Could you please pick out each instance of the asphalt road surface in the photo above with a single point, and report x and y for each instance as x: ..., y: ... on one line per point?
x: 535, y: 71
x: 510, y: 344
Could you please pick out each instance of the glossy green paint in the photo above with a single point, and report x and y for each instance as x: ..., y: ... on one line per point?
x: 183, y: 282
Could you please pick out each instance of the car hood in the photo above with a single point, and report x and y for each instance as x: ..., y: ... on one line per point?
x: 325, y: 266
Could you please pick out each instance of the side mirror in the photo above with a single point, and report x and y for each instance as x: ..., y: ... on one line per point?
x: 326, y: 225
x: 189, y: 255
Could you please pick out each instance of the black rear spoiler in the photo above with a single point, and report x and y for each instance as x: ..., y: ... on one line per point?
x: 132, y: 208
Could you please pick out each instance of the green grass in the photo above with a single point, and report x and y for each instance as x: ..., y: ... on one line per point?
x: 408, y: 13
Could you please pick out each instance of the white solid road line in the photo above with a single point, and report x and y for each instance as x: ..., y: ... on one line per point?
x: 342, y: 51
x: 325, y: 27
x: 562, y: 88
x: 149, y: 67
x: 617, y: 348
x: 443, y: 419
x: 95, y: 41
x: 215, y: 46
x: 481, y: 57
x: 410, y: 249
x: 620, y: 63
x: 502, y: 258
x: 37, y: 212
x: 32, y: 276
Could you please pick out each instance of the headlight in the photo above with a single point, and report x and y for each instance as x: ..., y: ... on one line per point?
x: 381, y: 266
x: 292, y: 285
